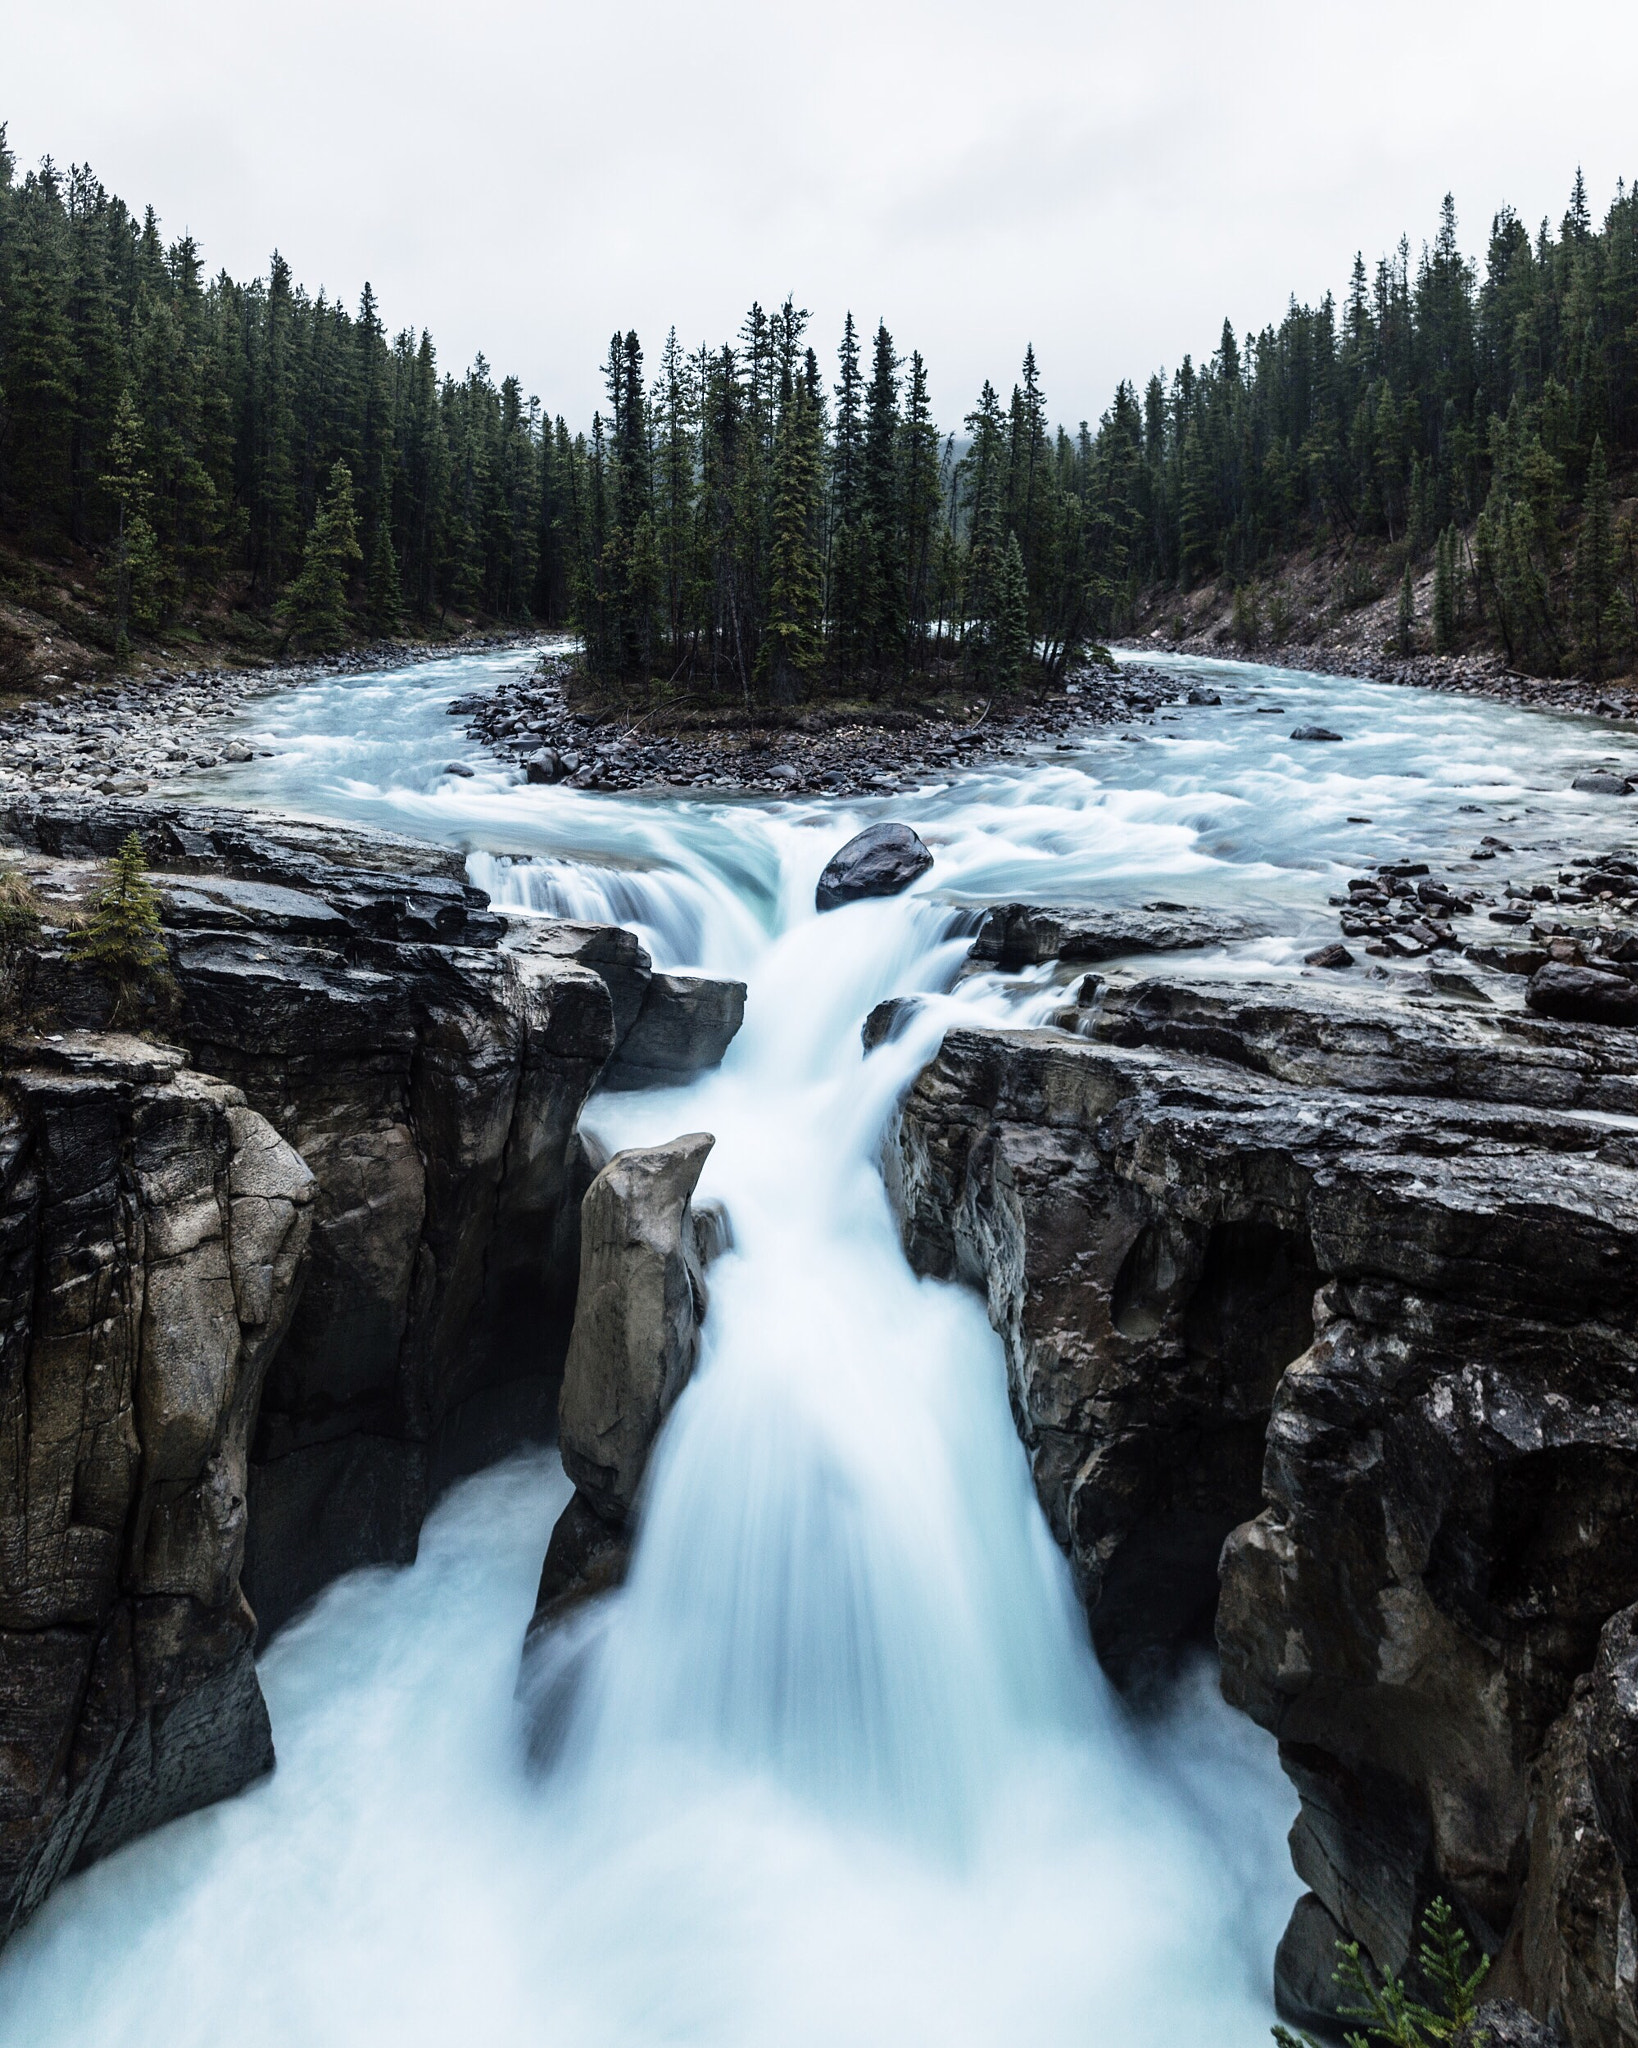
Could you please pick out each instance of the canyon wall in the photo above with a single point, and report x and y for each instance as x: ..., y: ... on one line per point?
x: 1330, y: 1295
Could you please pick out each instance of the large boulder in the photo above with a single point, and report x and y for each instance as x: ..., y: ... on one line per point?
x: 1582, y: 995
x: 153, y: 1235
x: 636, y: 1322
x: 882, y: 860
x: 636, y: 1334
x: 1015, y: 935
x: 686, y: 1024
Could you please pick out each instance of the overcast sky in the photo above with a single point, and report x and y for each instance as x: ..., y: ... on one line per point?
x: 1107, y: 178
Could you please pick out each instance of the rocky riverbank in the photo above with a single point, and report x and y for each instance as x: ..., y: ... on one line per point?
x: 1321, y: 1332
x: 136, y: 733
x: 1461, y: 675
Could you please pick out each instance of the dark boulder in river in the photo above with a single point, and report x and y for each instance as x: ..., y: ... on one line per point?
x: 1582, y: 995
x: 1315, y: 732
x: 880, y: 861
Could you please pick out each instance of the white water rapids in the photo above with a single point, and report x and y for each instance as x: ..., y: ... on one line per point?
x: 840, y: 1768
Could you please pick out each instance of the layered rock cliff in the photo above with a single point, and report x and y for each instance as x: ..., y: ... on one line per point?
x: 251, y: 1323
x: 153, y: 1232
x: 359, y: 992
x: 1343, y: 1291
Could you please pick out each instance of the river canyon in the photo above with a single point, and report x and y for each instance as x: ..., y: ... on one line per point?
x: 1071, y: 1241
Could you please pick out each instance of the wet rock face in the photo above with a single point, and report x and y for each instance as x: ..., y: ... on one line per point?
x: 355, y: 988
x: 1147, y: 1324
x: 882, y: 860
x: 1571, y: 1953
x: 1382, y: 1339
x: 153, y: 1233
x: 636, y: 1323
x: 642, y: 1298
x: 686, y: 1023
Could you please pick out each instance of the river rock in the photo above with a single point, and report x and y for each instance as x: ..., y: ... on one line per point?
x: 1583, y: 995
x: 889, y: 1019
x: 686, y: 1024
x: 1016, y: 935
x: 636, y: 1323
x: 1600, y: 782
x: 1315, y: 732
x: 153, y: 1238
x: 543, y: 765
x: 882, y: 860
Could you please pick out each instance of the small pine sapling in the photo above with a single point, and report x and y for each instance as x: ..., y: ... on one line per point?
x: 1388, y: 2010
x: 120, y: 940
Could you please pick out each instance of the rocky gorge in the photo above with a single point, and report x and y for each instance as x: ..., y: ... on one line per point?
x: 1320, y: 1332
x: 1311, y: 1276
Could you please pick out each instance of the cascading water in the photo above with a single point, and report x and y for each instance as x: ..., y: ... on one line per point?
x: 837, y: 1766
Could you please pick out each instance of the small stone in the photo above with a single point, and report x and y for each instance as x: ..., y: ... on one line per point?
x: 458, y: 768
x: 1600, y: 782
x: 1328, y: 956
x: 1315, y: 732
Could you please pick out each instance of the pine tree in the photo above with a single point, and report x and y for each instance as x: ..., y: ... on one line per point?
x: 1012, y: 637
x: 133, y: 570
x: 792, y: 648
x: 121, y: 941
x: 1446, y: 579
x: 1594, y: 579
x: 316, y: 606
x: 1405, y: 619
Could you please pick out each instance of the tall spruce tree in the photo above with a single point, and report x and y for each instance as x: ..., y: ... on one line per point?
x: 316, y: 609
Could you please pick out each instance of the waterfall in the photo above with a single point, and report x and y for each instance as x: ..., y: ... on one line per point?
x: 837, y: 1766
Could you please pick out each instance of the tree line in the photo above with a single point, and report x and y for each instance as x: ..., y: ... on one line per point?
x: 743, y: 519
x: 201, y: 438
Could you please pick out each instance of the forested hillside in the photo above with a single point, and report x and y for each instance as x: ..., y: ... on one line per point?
x: 181, y: 453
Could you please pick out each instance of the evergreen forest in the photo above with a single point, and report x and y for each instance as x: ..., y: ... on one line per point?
x: 757, y: 521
